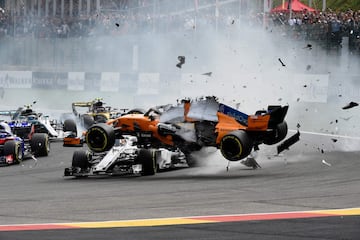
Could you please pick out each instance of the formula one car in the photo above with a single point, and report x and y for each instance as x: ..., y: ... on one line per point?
x: 96, y: 112
x: 27, y: 116
x: 193, y: 124
x: 13, y: 149
x: 125, y: 157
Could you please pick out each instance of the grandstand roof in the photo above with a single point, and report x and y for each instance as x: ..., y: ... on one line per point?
x: 296, y: 6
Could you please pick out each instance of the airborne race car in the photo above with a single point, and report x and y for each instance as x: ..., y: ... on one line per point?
x: 185, y: 128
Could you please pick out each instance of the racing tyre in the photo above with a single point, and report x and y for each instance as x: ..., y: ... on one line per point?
x: 13, y: 148
x: 236, y: 145
x: 87, y: 120
x: 80, y: 160
x: 100, y: 137
x: 70, y: 126
x: 147, y: 157
x: 40, y: 144
x: 278, y: 134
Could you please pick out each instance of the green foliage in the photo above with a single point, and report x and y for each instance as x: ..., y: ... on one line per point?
x: 334, y: 5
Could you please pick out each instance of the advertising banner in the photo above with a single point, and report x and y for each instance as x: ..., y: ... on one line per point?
x: 148, y: 84
x: 92, y: 81
x: 76, y: 81
x: 109, y: 82
x: 50, y: 80
x: 15, y: 79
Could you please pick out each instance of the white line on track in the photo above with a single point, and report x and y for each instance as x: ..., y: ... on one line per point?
x: 326, y: 134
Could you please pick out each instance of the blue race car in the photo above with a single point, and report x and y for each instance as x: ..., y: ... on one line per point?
x: 13, y: 149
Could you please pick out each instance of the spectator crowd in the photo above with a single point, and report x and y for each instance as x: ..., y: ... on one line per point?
x: 327, y: 28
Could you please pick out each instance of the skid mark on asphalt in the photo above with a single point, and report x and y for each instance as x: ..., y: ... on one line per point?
x: 185, y: 220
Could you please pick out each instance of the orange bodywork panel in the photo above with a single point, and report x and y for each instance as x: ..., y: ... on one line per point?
x: 186, y: 111
x: 72, y: 141
x: 228, y: 124
x: 225, y: 125
x: 258, y: 122
x: 128, y: 122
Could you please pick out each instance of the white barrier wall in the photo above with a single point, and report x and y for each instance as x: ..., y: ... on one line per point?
x: 315, y: 100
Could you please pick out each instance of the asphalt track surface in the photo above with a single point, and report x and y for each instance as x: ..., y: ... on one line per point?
x: 298, y: 186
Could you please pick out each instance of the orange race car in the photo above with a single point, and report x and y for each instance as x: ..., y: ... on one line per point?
x: 193, y: 124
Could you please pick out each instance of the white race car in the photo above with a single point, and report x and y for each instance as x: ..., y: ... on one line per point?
x: 125, y: 157
x: 26, y: 117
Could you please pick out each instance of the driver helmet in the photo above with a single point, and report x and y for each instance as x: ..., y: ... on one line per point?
x: 4, y: 126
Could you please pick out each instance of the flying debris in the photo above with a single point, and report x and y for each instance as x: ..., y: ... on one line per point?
x: 347, y: 118
x: 250, y: 162
x: 288, y: 142
x: 305, y: 86
x: 350, y: 105
x: 116, y: 24
x: 181, y: 61
x: 282, y: 63
x: 326, y: 163
x: 308, y: 46
x: 207, y: 74
x: 233, y: 21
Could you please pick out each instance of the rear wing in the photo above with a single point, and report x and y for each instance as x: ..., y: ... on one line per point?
x: 267, y: 119
x: 80, y: 104
x: 277, y: 115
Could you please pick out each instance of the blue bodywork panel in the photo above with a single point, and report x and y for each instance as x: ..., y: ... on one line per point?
x: 232, y: 112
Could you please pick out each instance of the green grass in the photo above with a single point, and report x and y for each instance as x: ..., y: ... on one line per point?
x: 335, y: 5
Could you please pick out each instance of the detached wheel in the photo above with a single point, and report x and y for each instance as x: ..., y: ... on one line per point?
x: 278, y: 134
x: 70, y: 126
x: 147, y: 157
x: 40, y: 144
x: 13, y: 148
x: 80, y: 160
